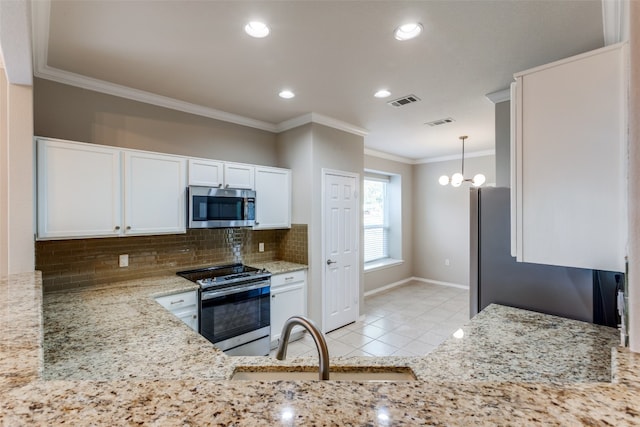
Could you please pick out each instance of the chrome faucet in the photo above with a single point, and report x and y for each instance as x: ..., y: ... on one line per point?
x: 321, y: 343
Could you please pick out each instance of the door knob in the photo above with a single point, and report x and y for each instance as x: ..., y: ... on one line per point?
x: 329, y: 262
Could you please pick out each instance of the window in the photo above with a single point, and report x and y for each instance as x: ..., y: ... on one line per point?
x: 382, y: 220
x: 376, y: 218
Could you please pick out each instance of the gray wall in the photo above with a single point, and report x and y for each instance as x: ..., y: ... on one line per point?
x: 68, y: 112
x: 307, y: 150
x: 503, y: 144
x: 441, y: 220
x: 295, y: 152
x: 379, y: 278
x: 337, y: 150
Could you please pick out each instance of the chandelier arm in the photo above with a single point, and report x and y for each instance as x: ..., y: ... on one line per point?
x: 463, y: 138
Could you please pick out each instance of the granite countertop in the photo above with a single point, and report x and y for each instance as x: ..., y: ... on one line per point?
x: 113, y: 356
x: 279, y: 267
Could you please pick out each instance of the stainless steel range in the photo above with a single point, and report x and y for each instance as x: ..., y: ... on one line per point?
x: 235, y: 308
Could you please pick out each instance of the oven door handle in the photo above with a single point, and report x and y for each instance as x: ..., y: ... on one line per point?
x: 235, y: 290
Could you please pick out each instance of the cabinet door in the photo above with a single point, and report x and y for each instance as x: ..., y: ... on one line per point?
x: 178, y: 301
x: 286, y: 301
x: 189, y: 317
x: 78, y: 190
x: 570, y: 159
x: 238, y: 175
x: 183, y: 305
x: 207, y: 173
x: 154, y: 193
x: 273, y: 198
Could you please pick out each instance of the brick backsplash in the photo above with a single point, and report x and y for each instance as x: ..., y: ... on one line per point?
x: 76, y: 263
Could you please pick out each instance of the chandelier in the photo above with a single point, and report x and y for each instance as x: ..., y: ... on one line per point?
x: 458, y: 178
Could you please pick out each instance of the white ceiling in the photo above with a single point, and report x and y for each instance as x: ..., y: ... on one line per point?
x: 333, y: 54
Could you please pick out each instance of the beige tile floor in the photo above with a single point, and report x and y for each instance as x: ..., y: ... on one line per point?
x: 410, y: 320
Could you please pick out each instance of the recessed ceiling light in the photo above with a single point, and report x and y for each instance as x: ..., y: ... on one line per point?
x: 382, y: 93
x: 257, y: 29
x: 286, y: 94
x: 408, y: 31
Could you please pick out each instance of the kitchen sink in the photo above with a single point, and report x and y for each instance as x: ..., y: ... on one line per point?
x: 361, y: 374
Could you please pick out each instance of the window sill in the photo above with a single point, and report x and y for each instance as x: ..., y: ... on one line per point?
x: 381, y: 264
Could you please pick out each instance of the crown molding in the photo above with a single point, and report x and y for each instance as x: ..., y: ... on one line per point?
x: 41, y: 15
x: 322, y: 120
x: 338, y: 124
x: 15, y: 40
x: 108, y: 88
x: 499, y: 96
x: 387, y: 156
x: 40, y: 32
x: 456, y: 156
x: 615, y: 21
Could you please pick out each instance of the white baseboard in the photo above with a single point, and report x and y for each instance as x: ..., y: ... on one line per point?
x: 417, y: 279
x: 387, y: 287
x: 439, y: 283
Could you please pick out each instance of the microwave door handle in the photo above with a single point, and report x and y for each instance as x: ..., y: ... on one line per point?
x: 235, y: 290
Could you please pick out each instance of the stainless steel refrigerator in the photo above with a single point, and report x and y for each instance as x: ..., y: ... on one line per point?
x: 496, y: 277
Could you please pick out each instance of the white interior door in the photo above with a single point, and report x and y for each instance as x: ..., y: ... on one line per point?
x: 340, y: 231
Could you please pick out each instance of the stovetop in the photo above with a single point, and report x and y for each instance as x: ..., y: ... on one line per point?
x: 224, y: 275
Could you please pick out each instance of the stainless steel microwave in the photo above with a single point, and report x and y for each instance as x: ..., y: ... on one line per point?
x: 220, y: 207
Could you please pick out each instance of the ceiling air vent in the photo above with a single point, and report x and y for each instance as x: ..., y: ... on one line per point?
x: 440, y: 122
x: 409, y: 99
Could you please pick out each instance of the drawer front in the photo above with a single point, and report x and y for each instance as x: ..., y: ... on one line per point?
x: 287, y: 278
x: 178, y: 301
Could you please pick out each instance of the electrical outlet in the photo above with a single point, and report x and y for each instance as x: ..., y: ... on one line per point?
x: 124, y: 260
x: 261, y: 247
x: 447, y: 262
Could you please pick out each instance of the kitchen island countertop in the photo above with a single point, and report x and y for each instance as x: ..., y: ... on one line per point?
x: 113, y: 355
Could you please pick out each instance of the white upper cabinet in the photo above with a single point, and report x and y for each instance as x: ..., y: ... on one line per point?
x: 218, y: 174
x: 206, y: 173
x: 79, y: 190
x: 90, y: 190
x: 273, y: 198
x: 239, y: 175
x: 154, y: 193
x: 84, y: 191
x: 568, y: 158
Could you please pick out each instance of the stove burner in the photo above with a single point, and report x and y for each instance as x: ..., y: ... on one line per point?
x: 224, y: 275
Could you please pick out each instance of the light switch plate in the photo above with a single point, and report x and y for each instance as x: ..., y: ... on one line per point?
x: 261, y: 247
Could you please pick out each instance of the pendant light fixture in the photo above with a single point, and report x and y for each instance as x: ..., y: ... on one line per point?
x: 458, y: 178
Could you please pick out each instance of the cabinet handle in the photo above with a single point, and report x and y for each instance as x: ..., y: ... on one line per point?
x: 226, y: 186
x: 273, y: 296
x: 329, y: 262
x: 177, y: 302
x: 288, y: 278
x: 128, y: 227
x: 116, y: 228
x: 194, y: 316
x: 220, y: 185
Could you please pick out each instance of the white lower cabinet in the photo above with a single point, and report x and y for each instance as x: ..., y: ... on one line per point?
x: 288, y: 298
x: 183, y: 305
